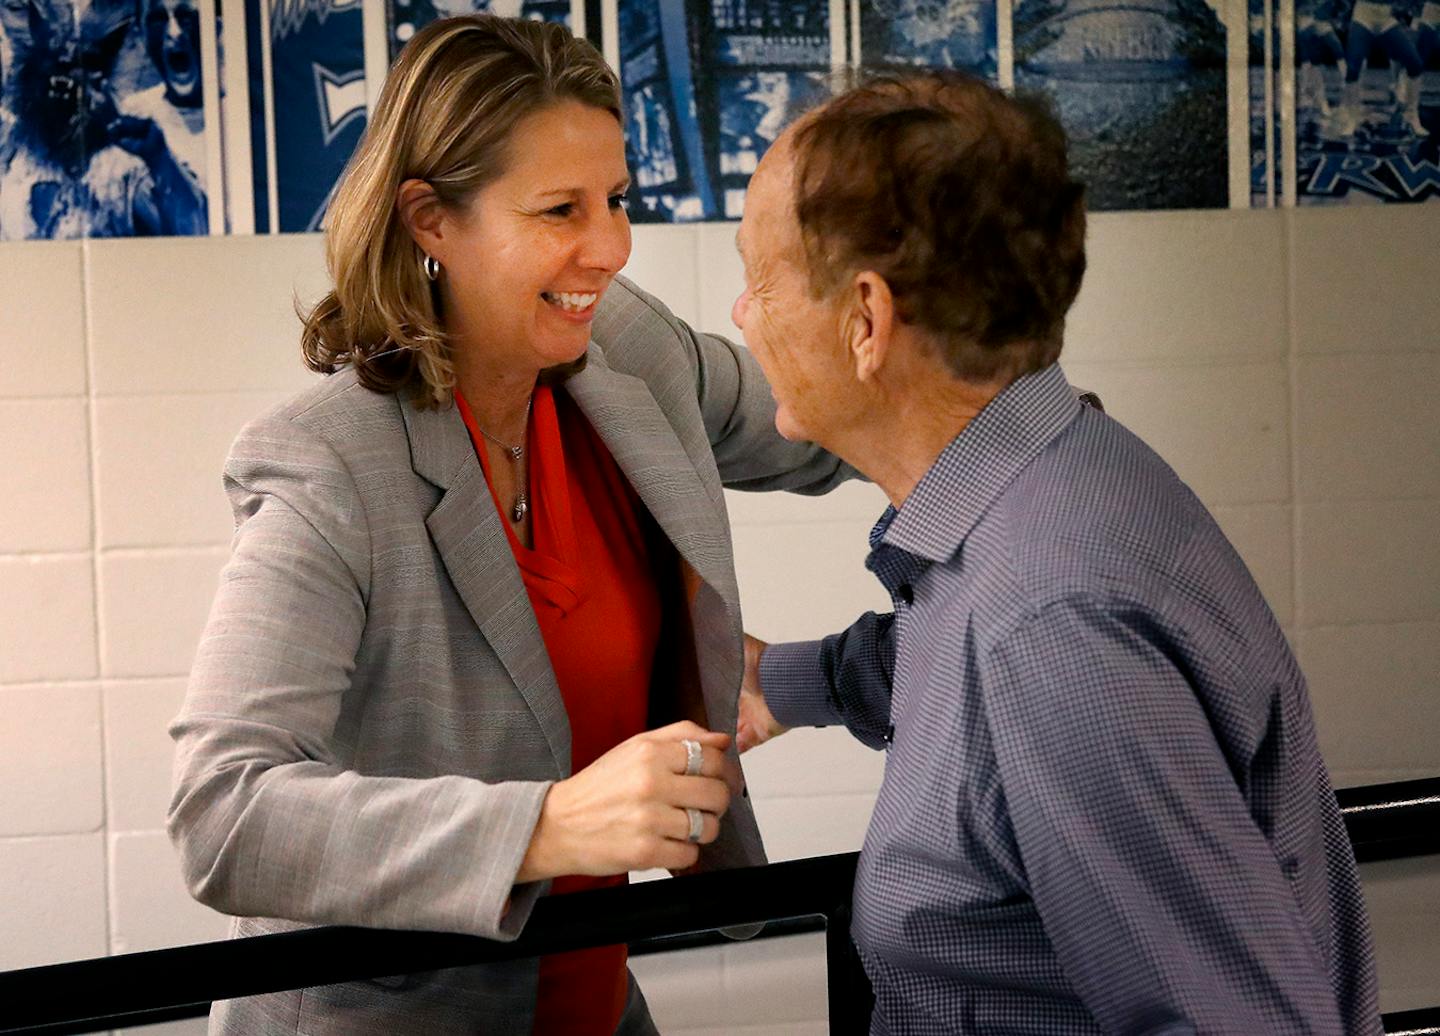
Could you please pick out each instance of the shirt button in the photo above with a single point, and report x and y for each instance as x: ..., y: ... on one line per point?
x: 890, y: 734
x: 906, y: 593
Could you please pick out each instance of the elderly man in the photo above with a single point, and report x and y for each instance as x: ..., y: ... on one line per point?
x: 1103, y: 807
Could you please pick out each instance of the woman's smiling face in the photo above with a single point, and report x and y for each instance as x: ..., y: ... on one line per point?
x: 528, y: 260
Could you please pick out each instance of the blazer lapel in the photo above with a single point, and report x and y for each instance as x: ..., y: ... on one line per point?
x: 627, y: 418
x: 467, y: 532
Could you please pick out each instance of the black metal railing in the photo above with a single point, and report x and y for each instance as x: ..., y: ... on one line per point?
x: 1392, y: 821
x: 1388, y: 821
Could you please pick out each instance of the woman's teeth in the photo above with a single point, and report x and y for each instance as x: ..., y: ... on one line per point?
x: 566, y: 300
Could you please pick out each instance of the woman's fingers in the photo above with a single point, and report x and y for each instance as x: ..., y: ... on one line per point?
x: 713, y: 761
x: 678, y: 827
x: 673, y: 855
x: 627, y: 810
x: 678, y: 732
x: 708, y: 793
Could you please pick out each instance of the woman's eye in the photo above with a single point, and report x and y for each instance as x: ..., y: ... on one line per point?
x: 563, y: 209
x: 620, y: 201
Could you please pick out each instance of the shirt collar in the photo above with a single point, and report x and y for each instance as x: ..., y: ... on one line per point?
x: 979, y: 463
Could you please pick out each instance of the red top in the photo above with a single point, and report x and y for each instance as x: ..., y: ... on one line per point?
x: 591, y: 584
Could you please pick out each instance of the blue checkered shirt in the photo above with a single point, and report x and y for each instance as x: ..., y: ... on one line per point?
x: 1103, y: 808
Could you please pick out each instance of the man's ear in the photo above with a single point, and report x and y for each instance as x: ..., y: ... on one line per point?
x: 871, y: 325
x: 423, y: 215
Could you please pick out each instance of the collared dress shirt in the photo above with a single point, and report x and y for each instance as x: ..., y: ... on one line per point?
x: 1103, y: 808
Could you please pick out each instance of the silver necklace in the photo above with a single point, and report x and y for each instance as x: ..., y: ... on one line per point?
x: 517, y: 457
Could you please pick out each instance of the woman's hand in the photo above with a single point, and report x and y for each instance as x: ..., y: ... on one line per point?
x: 756, y: 724
x: 626, y: 810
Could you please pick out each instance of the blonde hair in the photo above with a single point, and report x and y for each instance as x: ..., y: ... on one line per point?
x: 446, y: 115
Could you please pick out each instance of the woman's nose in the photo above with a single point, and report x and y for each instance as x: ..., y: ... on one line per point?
x: 607, y: 245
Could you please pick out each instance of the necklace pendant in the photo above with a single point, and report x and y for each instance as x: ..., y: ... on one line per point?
x: 517, y: 453
x: 517, y: 513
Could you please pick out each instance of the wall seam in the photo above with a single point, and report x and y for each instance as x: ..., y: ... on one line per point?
x: 1287, y: 231
x: 92, y: 433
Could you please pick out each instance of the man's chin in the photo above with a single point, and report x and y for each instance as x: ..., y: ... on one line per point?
x: 789, y: 429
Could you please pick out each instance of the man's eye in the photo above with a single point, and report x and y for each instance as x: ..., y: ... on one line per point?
x: 620, y: 201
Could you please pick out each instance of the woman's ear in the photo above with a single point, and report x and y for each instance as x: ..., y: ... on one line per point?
x: 423, y: 215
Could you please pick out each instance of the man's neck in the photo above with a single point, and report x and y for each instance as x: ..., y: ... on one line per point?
x: 910, y: 429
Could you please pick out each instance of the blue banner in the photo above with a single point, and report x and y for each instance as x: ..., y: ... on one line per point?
x: 708, y: 87
x: 102, y: 120
x: 949, y: 34
x: 1367, y: 101
x: 316, y: 96
x: 404, y: 18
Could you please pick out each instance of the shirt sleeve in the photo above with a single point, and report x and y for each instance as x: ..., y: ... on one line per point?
x: 844, y: 678
x: 1164, y: 901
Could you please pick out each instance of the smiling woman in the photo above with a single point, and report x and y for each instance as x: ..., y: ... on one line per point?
x: 526, y: 261
x: 479, y: 639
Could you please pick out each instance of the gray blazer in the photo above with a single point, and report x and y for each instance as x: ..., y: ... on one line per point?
x: 372, y: 721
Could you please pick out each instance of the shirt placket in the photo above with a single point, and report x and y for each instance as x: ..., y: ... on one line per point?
x: 898, y: 571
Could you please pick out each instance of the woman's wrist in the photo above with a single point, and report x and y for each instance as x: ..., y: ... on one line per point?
x: 542, y: 859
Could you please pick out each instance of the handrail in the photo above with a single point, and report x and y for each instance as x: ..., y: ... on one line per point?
x: 1385, y: 822
x: 129, y: 988
x: 1392, y: 821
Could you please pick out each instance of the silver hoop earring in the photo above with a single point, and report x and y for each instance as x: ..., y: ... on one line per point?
x: 431, y: 266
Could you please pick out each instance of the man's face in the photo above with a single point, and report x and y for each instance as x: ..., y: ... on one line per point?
x: 794, y: 337
x: 172, y: 39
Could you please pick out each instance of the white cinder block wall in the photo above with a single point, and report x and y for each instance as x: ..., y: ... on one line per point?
x: 1284, y: 362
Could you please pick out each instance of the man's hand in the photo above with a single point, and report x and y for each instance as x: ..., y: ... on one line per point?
x: 756, y: 725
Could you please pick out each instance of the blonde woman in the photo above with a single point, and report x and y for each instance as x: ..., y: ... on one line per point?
x: 479, y: 638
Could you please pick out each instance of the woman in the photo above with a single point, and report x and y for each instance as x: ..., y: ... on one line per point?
x: 425, y: 687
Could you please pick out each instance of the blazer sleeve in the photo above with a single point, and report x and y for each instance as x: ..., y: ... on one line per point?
x: 267, y: 819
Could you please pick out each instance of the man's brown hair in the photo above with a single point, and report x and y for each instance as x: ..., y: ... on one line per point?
x: 960, y: 196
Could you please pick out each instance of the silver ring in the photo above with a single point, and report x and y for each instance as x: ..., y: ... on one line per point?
x: 697, y: 823
x: 694, y: 757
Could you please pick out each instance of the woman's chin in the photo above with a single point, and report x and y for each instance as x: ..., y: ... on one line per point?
x: 559, y: 353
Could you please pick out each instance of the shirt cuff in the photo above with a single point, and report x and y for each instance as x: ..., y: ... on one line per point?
x: 795, y: 686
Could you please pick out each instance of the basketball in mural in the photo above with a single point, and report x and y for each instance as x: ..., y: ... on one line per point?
x: 1140, y: 87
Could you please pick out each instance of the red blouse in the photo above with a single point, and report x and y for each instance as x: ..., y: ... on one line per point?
x: 591, y: 583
